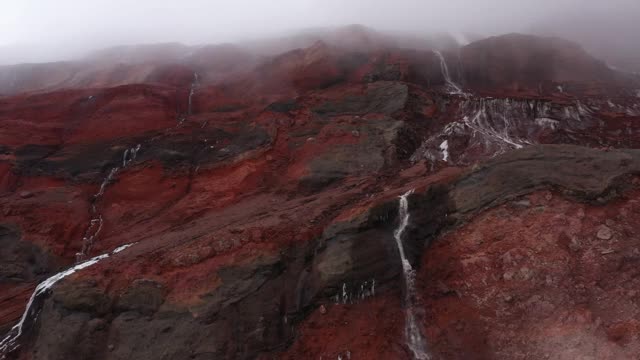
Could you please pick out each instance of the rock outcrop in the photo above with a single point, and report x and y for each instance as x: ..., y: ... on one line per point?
x: 527, y: 61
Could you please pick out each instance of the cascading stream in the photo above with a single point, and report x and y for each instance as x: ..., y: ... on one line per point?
x: 497, y: 125
x: 194, y: 84
x: 96, y: 222
x: 30, y: 314
x: 130, y: 155
x: 444, y: 147
x: 413, y: 334
x: 451, y: 86
x: 192, y: 90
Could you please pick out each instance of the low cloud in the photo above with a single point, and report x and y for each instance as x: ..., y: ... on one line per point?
x: 43, y: 30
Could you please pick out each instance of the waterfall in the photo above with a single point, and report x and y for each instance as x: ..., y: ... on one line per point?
x: 96, y: 222
x: 350, y: 295
x: 183, y: 117
x: 444, y: 147
x: 9, y: 343
x: 190, y: 96
x: 493, y: 126
x: 130, y: 155
x: 192, y: 91
x: 106, y: 182
x: 480, y: 122
x: 413, y: 334
x: 451, y: 86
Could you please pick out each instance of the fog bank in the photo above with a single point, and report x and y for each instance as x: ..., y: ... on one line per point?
x: 45, y: 30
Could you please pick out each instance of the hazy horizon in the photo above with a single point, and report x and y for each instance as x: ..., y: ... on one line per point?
x: 42, y: 30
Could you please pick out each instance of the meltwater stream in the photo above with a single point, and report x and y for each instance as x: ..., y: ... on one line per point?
x: 451, y: 86
x: 10, y: 341
x: 192, y: 91
x: 413, y: 334
x: 96, y: 222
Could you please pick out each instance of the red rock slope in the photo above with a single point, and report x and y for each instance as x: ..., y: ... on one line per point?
x: 260, y: 212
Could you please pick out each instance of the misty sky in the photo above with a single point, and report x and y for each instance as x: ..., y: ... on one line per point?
x: 62, y: 27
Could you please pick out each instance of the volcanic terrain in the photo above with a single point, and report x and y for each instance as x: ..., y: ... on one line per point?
x: 353, y: 197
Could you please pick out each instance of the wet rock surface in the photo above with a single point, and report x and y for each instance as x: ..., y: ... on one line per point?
x: 589, y: 174
x: 21, y: 260
x: 378, y: 97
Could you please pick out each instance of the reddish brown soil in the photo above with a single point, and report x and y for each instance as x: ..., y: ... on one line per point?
x: 536, y: 282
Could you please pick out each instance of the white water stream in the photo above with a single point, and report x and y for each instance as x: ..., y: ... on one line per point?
x: 444, y: 147
x: 413, y: 334
x: 96, y: 222
x: 183, y: 117
x: 10, y: 341
x: 495, y: 126
x: 194, y: 84
x: 451, y: 86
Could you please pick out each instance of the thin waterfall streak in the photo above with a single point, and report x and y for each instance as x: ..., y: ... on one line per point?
x: 96, y: 222
x: 413, y: 334
x: 452, y: 86
x: 124, y: 158
x: 9, y: 342
x: 192, y: 91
